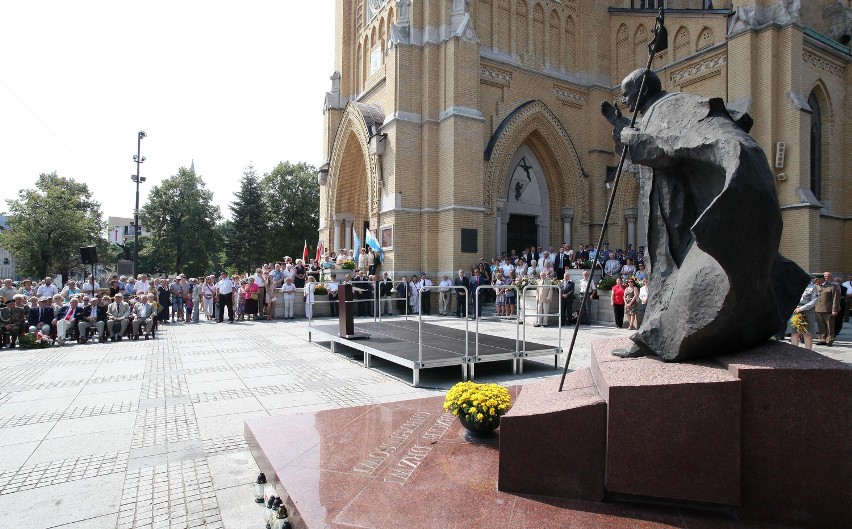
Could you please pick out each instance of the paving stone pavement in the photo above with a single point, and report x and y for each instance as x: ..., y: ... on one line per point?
x: 149, y: 434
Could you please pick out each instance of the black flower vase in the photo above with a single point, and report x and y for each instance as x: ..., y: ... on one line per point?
x: 478, y: 430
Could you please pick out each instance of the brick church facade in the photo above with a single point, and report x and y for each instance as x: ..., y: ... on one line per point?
x: 458, y: 129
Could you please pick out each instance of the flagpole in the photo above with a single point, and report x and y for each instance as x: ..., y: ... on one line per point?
x: 657, y: 45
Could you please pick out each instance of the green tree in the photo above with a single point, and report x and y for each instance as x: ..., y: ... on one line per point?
x: 49, y: 224
x: 181, y: 218
x: 245, y: 248
x: 292, y: 195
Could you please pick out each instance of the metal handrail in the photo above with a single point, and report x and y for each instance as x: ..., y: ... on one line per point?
x: 477, y: 316
x: 536, y: 314
x: 420, y: 320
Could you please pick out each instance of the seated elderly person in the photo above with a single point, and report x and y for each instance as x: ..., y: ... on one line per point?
x: 118, y: 316
x: 130, y: 287
x: 88, y: 286
x: 27, y: 288
x: 66, y: 319
x: 58, y: 303
x: 143, y: 315
x: 94, y: 317
x: 41, y: 315
x: 70, y: 290
x: 8, y: 292
x: 13, y: 320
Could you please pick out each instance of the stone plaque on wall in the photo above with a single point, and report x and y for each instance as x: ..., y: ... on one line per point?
x: 469, y: 240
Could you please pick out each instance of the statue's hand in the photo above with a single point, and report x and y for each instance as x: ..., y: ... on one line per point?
x: 610, y: 112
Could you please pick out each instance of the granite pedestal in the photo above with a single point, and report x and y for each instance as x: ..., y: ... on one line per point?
x: 766, y: 432
x: 408, y: 464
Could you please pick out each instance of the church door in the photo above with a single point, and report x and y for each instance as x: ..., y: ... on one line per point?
x: 520, y: 233
x: 524, y: 217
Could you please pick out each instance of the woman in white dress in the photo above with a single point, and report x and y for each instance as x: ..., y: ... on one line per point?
x: 208, y: 292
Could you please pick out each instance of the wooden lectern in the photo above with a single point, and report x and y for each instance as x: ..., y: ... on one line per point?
x: 346, y: 312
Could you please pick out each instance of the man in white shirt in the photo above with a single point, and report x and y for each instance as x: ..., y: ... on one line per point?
x: 426, y: 300
x: 142, y: 286
x: 48, y: 289
x: 89, y: 288
x: 333, y: 286
x: 225, y: 295
x: 444, y: 295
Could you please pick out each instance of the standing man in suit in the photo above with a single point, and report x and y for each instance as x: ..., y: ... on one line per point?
x: 386, y: 292
x: 94, y: 315
x: 566, y: 298
x: 41, y: 316
x: 828, y: 304
x: 461, y: 299
x: 118, y: 312
x: 66, y: 319
x: 402, y: 296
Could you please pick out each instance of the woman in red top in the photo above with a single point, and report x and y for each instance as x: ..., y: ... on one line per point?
x: 252, y: 297
x: 618, y: 303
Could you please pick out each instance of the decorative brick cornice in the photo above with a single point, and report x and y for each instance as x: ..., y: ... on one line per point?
x: 822, y: 64
x: 494, y: 76
x: 707, y: 68
x: 569, y: 96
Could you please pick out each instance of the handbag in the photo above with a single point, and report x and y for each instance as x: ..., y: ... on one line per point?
x: 254, y: 296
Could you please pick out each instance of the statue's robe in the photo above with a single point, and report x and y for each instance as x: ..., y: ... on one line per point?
x: 717, y: 281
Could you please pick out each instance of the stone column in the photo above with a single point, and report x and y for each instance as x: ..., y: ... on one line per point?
x: 337, y: 223
x: 500, y: 234
x: 347, y: 233
x: 631, y: 214
x: 567, y: 217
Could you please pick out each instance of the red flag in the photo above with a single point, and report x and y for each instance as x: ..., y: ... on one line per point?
x: 320, y: 249
x: 305, y: 252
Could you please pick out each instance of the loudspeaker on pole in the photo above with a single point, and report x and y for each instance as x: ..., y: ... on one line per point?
x: 89, y: 255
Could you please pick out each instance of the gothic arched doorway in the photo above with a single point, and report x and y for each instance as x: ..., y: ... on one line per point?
x: 524, y: 213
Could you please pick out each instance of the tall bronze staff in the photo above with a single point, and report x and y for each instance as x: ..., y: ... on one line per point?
x: 660, y: 43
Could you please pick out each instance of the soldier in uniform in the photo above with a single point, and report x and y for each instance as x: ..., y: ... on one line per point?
x: 827, y: 306
x: 13, y: 320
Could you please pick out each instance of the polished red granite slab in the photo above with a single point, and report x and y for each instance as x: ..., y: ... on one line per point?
x: 539, y: 427
x: 673, y: 429
x: 408, y: 464
x: 796, y: 435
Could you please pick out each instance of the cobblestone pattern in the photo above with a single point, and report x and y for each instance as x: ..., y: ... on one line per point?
x: 344, y: 397
x: 19, y: 375
x: 70, y: 413
x: 228, y: 443
x: 62, y: 471
x: 164, y: 387
x: 173, y: 495
x: 72, y: 383
x: 168, y: 424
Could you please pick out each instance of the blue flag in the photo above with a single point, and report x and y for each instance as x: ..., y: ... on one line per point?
x: 373, y: 243
x: 357, y: 245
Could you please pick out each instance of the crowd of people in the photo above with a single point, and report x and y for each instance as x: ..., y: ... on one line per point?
x: 135, y: 307
x: 823, y: 308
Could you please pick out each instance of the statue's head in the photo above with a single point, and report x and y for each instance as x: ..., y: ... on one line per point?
x: 631, y: 85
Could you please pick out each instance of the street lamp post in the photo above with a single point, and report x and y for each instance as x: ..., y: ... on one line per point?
x: 138, y: 158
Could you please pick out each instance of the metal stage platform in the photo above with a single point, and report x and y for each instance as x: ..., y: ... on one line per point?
x: 399, y: 342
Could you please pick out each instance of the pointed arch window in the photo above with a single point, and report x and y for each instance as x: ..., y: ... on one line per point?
x: 816, y: 146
